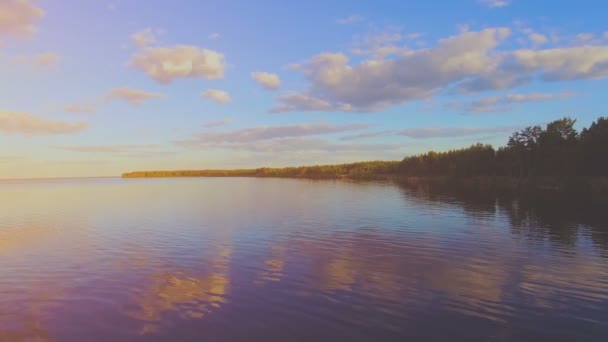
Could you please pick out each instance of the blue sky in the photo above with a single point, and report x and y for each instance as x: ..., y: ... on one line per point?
x: 97, y: 88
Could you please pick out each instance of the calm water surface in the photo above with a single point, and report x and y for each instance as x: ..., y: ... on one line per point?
x: 216, y: 259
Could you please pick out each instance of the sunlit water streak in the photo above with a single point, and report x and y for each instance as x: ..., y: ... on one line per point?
x: 295, y: 260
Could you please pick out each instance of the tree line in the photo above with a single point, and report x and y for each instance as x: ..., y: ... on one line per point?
x: 557, y: 150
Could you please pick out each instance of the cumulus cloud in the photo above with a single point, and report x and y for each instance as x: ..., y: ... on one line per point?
x: 218, y: 123
x: 376, y: 84
x: 216, y: 95
x: 451, y: 132
x: 467, y: 62
x: 350, y: 20
x: 143, y: 38
x: 43, y: 61
x: 18, y: 18
x: 586, y: 62
x: 266, y: 79
x: 166, y: 64
x: 503, y: 103
x: 132, y: 96
x: 24, y: 123
x: 495, y: 3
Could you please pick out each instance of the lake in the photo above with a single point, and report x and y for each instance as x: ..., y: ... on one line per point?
x: 245, y: 259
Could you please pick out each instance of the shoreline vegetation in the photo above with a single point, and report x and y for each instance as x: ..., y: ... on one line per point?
x: 554, y: 159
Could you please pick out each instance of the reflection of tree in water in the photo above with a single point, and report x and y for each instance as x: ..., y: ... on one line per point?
x: 537, y: 217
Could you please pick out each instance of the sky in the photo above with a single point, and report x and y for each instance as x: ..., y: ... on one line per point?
x: 98, y: 88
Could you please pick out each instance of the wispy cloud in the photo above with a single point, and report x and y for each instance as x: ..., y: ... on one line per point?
x: 505, y: 103
x: 28, y: 124
x: 450, y: 132
x: 293, y: 102
x: 267, y: 80
x: 43, y: 61
x: 272, y: 132
x: 495, y: 3
x: 352, y: 19
x: 124, y: 148
x: 216, y: 95
x: 295, y: 144
x: 80, y: 109
x: 369, y: 135
x: 218, y: 123
x: 132, y: 96
x: 144, y: 38
x: 214, y: 36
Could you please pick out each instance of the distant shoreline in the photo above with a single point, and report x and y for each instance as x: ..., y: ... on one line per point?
x: 585, y: 186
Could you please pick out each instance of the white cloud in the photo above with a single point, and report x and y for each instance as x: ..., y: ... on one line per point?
x: 214, y: 35
x: 24, y: 123
x: 18, y: 18
x: 43, y: 61
x: 267, y: 80
x: 182, y: 61
x: 376, y: 84
x: 144, y: 38
x: 132, y: 96
x: 467, y: 62
x: 350, y: 20
x: 586, y: 62
x: 495, y: 3
x: 503, y: 103
x: 218, y: 96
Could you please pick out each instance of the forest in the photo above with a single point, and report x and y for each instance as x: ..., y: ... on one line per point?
x: 557, y: 150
